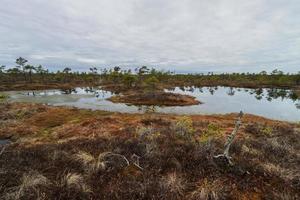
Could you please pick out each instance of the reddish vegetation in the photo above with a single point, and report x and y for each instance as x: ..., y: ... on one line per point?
x: 155, y: 98
x: 58, y: 153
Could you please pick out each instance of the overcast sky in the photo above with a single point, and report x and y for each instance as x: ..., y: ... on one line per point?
x: 181, y: 35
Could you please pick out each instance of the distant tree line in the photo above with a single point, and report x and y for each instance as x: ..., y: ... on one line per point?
x: 143, y: 76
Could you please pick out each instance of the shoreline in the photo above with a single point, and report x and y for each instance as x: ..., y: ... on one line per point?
x: 114, y: 87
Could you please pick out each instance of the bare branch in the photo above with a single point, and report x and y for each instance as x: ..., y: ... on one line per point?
x: 136, y: 161
x: 225, y: 157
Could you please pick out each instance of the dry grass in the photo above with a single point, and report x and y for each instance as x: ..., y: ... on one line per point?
x: 74, y: 181
x: 31, y: 186
x: 88, y: 162
x: 208, y: 190
x: 174, y: 184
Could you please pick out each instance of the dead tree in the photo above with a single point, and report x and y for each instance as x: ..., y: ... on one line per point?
x: 225, y: 158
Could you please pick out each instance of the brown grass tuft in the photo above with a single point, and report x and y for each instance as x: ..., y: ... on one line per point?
x: 208, y: 190
x: 31, y: 186
x: 173, y: 184
x: 75, y: 181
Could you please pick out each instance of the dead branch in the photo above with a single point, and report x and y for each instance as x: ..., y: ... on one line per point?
x: 136, y: 161
x: 225, y: 157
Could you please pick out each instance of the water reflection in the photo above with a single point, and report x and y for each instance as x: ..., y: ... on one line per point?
x: 98, y: 93
x: 260, y: 93
x: 69, y: 91
x: 269, y: 102
x: 231, y: 91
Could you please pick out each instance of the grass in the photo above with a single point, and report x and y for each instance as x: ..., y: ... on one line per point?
x: 174, y: 184
x: 30, y: 187
x: 75, y: 182
x: 90, y: 164
x: 207, y: 189
x: 92, y: 155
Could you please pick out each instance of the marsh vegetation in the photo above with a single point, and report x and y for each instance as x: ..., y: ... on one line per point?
x: 57, y: 152
x: 65, y: 153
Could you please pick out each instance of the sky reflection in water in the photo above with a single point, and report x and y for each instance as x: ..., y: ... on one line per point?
x: 278, y: 104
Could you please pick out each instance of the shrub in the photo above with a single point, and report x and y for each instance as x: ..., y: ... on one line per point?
x: 259, y: 129
x: 145, y: 132
x: 151, y: 83
x: 184, y: 127
x: 212, y: 131
x: 148, y: 136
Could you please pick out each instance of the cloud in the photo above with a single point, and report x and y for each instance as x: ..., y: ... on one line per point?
x: 184, y: 35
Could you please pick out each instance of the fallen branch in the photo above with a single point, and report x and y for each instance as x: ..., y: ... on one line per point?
x: 225, y: 157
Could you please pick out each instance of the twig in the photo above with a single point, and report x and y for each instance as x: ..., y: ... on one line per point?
x: 136, y: 161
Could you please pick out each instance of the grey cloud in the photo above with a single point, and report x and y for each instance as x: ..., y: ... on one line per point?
x: 185, y: 35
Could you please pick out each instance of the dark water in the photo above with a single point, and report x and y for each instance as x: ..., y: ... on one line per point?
x: 272, y: 103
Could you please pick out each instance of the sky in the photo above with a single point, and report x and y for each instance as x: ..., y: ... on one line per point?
x: 177, y: 35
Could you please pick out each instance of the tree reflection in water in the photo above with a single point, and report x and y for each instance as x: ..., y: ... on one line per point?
x: 269, y: 94
x: 148, y: 109
x: 259, y: 93
x: 231, y: 91
x: 68, y: 91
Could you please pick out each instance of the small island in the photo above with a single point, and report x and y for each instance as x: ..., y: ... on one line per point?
x: 147, y: 91
x: 156, y: 98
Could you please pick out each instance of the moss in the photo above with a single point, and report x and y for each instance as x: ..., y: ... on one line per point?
x: 267, y: 130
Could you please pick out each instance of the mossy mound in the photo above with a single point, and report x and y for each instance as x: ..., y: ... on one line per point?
x: 155, y: 98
